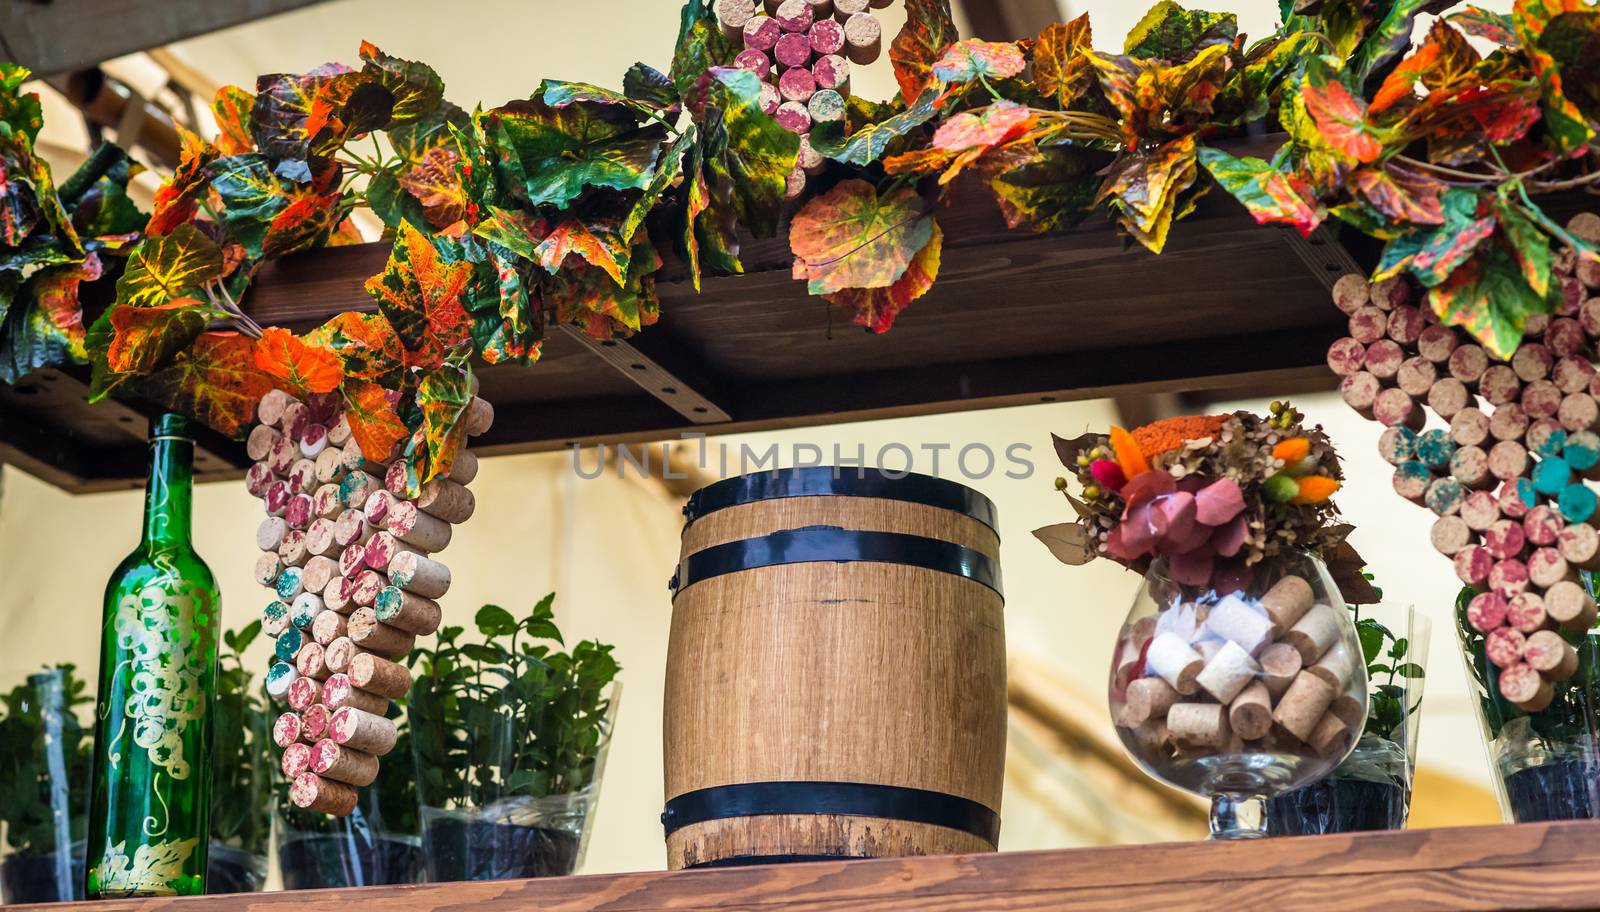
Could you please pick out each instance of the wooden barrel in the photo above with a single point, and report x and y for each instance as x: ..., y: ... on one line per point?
x: 836, y: 683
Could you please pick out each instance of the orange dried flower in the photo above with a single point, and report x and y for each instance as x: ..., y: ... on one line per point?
x: 1170, y: 433
x: 1129, y: 455
x: 1315, y: 489
x: 1292, y: 450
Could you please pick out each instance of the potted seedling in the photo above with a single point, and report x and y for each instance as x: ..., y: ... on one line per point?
x: 510, y: 736
x: 45, y: 757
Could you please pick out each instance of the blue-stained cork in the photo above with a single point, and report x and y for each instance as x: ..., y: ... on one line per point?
x: 1577, y: 503
x: 289, y: 643
x: 1525, y: 490
x: 304, y: 611
x: 1397, y: 445
x: 1551, y: 476
x: 1434, y: 448
x: 274, y: 618
x: 1583, y: 451
x: 279, y: 677
x: 289, y: 583
x: 1553, y: 444
x: 1445, y: 496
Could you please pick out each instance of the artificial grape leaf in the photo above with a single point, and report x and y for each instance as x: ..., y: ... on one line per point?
x: 298, y: 367
x: 975, y: 58
x: 1156, y: 100
x: 744, y: 147
x: 1565, y: 124
x: 873, y: 140
x: 391, y: 203
x: 1481, y: 23
x: 645, y: 83
x: 709, y: 224
x: 146, y: 337
x: 1529, y: 246
x: 416, y: 90
x: 412, y: 139
x: 929, y: 29
x: 102, y: 211
x: 586, y: 296
x: 19, y: 209
x: 1572, y: 39
x: 850, y: 237
x: 1433, y: 254
x: 281, y: 118
x: 516, y: 331
x: 366, y: 345
x: 1340, y: 115
x: 442, y: 397
x: 422, y: 297
x: 252, y: 196
x: 1248, y: 95
x: 50, y: 333
x: 972, y: 134
x: 1060, y: 69
x: 1144, y: 189
x: 1386, y: 39
x: 668, y: 174
x: 598, y: 241
x: 344, y: 107
x: 1170, y: 32
x: 374, y: 424
x: 1487, y: 297
x: 232, y: 108
x: 168, y: 267
x: 436, y: 183
x: 920, y: 161
x: 558, y: 94
x: 561, y: 151
x: 701, y: 46
x: 1399, y: 195
x: 20, y: 112
x: 1270, y: 195
x: 876, y: 308
x: 514, y: 229
x: 179, y: 197
x: 1445, y: 60
x: 215, y: 381
x: 304, y: 223
x: 1044, y: 188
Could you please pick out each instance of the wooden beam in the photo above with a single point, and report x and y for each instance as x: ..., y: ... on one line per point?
x: 56, y: 38
x: 1536, y: 866
x: 1008, y: 20
x: 695, y: 399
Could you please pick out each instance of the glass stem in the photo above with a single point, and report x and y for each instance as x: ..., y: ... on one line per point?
x: 1238, y: 817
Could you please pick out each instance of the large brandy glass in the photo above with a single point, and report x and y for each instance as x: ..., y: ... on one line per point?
x: 1242, y: 690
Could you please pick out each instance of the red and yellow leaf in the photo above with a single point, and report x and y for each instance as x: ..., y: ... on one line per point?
x: 1400, y: 196
x: 929, y: 29
x: 1060, y: 69
x: 1342, y: 119
x: 975, y: 58
x: 1445, y: 60
x: 298, y: 367
x: 421, y: 294
x: 436, y: 183
x: 232, y: 108
x: 598, y: 243
x: 442, y: 397
x: 306, y: 221
x: 876, y: 308
x: 58, y: 312
x: 985, y: 128
x: 375, y: 425
x: 366, y: 344
x: 216, y: 381
x: 1144, y: 189
x: 850, y: 237
x: 145, y: 337
x: 1270, y: 195
x: 179, y: 198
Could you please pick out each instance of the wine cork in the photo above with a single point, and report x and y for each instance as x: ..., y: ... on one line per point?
x: 289, y: 583
x: 317, y: 573
x: 1287, y: 602
x: 1176, y: 662
x: 826, y: 37
x: 1146, y: 699
x: 1509, y: 497
x: 1541, y: 399
x: 303, y: 692
x: 1504, y: 539
x: 1360, y: 391
x: 1487, y: 611
x: 327, y: 627
x: 1199, y: 725
x: 1152, y: 739
x: 1508, y: 577
x: 270, y: 533
x: 1546, y: 437
x: 1303, y: 705
x: 302, y: 476
x: 1393, y: 407
x: 1437, y: 343
x: 279, y: 676
x: 296, y: 759
x: 1508, y: 460
x: 1397, y: 445
x: 1238, y: 621
x: 832, y: 72
x: 409, y: 612
x: 1479, y: 511
x: 314, y: 719
x: 863, y: 37
x: 755, y: 61
x: 761, y: 33
x: 465, y: 467
x: 1313, y: 634
x: 352, y: 528
x: 257, y: 478
x: 1467, y: 363
x: 351, y: 457
x: 1470, y: 466
x: 1228, y: 672
x: 367, y: 632
x: 263, y: 437
x: 378, y: 675
x: 293, y: 548
x: 1384, y: 358
x: 376, y: 511
x: 421, y: 575
x: 304, y: 609
x: 338, y: 692
x: 352, y: 561
x: 1434, y: 448
x: 1550, y: 655
x: 1525, y: 612
x: 794, y: 16
x: 793, y: 52
x: 825, y: 106
x: 1447, y: 396
x: 1565, y: 338
x: 1406, y: 324
x: 1387, y: 294
x: 424, y: 532
x: 314, y: 793
x: 1469, y: 427
x: 269, y: 411
x: 320, y: 541
x: 1450, y: 534
x: 313, y: 441
x: 1580, y: 545
x: 1368, y: 325
x: 1570, y: 606
x: 275, y: 618
x: 1546, y: 567
x: 1418, y: 376
x: 1503, y: 647
x: 447, y: 500
x: 1582, y: 453
x: 1347, y: 356
x: 1573, y: 375
x: 1250, y: 713
x: 286, y: 729
x: 339, y: 432
x: 382, y: 549
x: 282, y: 456
x: 356, y: 487
x: 309, y: 661
x: 336, y: 595
x: 1129, y: 663
x: 332, y: 760
x: 1524, y: 686
x: 1509, y: 422
x: 337, y: 655
x: 1351, y: 292
x: 364, y: 588
x: 295, y: 418
x: 1532, y: 361
x: 1578, y: 412
x: 1331, y: 735
x: 1337, y: 666
x: 732, y: 15
x: 844, y: 9
x: 1351, y: 707
x: 298, y: 512
x: 362, y: 731
x: 268, y: 565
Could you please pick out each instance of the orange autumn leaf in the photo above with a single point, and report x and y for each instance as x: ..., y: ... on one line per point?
x: 298, y: 367
x: 599, y: 244
x: 1129, y: 457
x: 231, y: 109
x: 145, y: 337
x: 216, y: 381
x: 876, y: 308
x: 374, y: 424
x: 436, y: 183
x: 178, y: 199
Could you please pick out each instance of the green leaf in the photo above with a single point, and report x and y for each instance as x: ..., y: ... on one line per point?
x: 744, y: 146
x: 701, y: 46
x: 1410, y: 670
x: 874, y: 140
x: 1170, y: 32
x: 1487, y: 296
x: 1572, y: 39
x: 1388, y: 39
x: 561, y: 151
x: 1565, y: 123
x: 492, y: 620
x: 1528, y: 244
x: 416, y: 90
x: 929, y: 29
x: 164, y: 268
x: 645, y: 83
x: 1044, y: 188
x: 21, y: 113
x: 442, y: 397
x: 1433, y: 254
x: 49, y: 332
x: 1270, y: 195
x: 391, y: 203
x: 421, y: 294
x: 1371, y: 634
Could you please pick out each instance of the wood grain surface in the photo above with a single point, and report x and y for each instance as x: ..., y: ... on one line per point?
x: 1528, y: 867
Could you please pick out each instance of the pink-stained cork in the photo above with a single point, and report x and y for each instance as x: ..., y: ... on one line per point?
x: 1504, y: 539
x: 365, y: 587
x: 325, y: 796
x: 794, y: 117
x: 257, y: 478
x: 1540, y: 399
x: 1526, y: 612
x: 832, y: 72
x: 293, y: 548
x: 303, y: 692
x: 1345, y: 356
x: 1486, y: 611
x: 423, y: 532
x: 340, y: 692
x: 298, y: 512
x: 1467, y: 363
x: 326, y: 503
x: 1565, y: 338
x: 1542, y: 526
x: 276, y: 497
x: 296, y: 759
x: 1406, y: 324
x: 794, y: 16
x: 1368, y: 325
x: 315, y: 721
x: 313, y: 440
x: 295, y: 418
x: 352, y: 560
x: 755, y: 61
x: 770, y: 99
x: 382, y: 549
x: 309, y: 662
x: 1508, y: 577
x: 1509, y: 422
x: 827, y: 37
x: 1532, y: 361
x: 1503, y: 647
x: 262, y: 439
x: 797, y: 85
x: 1572, y: 375
x: 422, y: 575
x: 1473, y: 564
x: 377, y: 509
x: 332, y: 760
x: 793, y: 51
x: 352, y: 528
x: 270, y: 409
x: 302, y: 476
x: 1418, y: 376
x: 1437, y: 342
x: 762, y: 33
x: 282, y: 456
x: 362, y: 731
x: 1384, y: 358
x: 286, y: 729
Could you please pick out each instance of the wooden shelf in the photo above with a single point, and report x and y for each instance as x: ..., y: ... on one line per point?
x: 1527, y: 867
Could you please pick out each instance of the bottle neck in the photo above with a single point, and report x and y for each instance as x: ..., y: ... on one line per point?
x: 168, y: 498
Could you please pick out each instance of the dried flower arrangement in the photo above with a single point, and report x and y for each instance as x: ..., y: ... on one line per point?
x: 1214, y: 495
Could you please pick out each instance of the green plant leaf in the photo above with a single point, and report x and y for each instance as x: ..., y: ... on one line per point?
x: 1270, y: 195
x: 421, y: 295
x: 1433, y: 254
x: 20, y: 112
x: 701, y: 46
x: 415, y: 89
x: 172, y: 266
x: 850, y: 237
x: 1529, y: 245
x: 872, y: 141
x: 1044, y: 188
x: 1572, y: 39
x: 744, y: 148
x: 1387, y: 39
x: 561, y: 151
x: 929, y: 29
x: 1487, y: 297
x: 442, y: 397
x: 492, y: 620
x: 1564, y: 122
x: 1170, y: 32
x: 647, y: 84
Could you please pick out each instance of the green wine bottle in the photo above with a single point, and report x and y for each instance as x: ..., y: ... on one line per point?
x: 148, y: 818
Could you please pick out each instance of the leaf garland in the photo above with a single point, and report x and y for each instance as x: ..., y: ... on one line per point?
x: 850, y: 237
x: 929, y: 29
